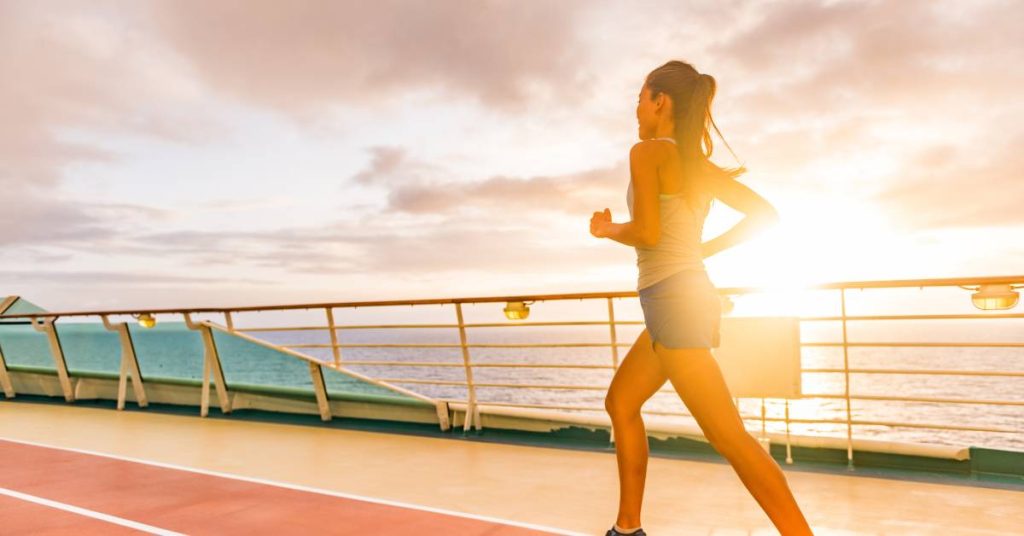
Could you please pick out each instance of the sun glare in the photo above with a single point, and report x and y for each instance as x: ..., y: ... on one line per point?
x: 808, y: 247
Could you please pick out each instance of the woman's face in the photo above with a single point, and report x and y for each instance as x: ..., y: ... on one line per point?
x: 648, y: 112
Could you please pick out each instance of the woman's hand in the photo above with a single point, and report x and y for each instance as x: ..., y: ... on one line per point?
x: 598, y: 223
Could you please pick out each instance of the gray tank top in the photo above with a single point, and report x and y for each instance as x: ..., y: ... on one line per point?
x: 678, y: 246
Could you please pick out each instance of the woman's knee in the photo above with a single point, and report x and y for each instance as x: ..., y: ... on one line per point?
x: 611, y: 405
x: 617, y: 409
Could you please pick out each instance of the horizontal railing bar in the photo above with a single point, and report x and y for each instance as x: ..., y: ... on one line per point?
x: 935, y: 426
x: 286, y: 328
x: 581, y: 408
x: 603, y: 323
x: 806, y: 370
x: 401, y: 363
x: 621, y: 322
x: 938, y: 282
x: 856, y: 422
x: 921, y: 344
x: 919, y: 399
x: 340, y: 327
x: 418, y: 380
x: 376, y: 345
x: 627, y: 344
x: 474, y: 365
x: 551, y: 323
x: 440, y: 326
x: 454, y: 345
x: 542, y: 345
x: 512, y: 385
x: 929, y: 372
x: 668, y: 390
x: 915, y: 317
x: 863, y: 423
x: 521, y: 405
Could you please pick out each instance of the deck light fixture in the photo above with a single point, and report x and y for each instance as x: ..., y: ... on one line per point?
x: 994, y: 296
x: 146, y: 320
x: 517, y: 310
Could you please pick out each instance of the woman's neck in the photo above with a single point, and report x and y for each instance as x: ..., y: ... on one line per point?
x: 665, y: 129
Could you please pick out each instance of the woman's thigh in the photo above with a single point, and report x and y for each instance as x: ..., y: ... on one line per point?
x: 638, y: 377
x: 697, y: 378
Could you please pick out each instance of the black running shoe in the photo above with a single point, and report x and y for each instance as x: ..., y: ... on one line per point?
x: 613, y: 532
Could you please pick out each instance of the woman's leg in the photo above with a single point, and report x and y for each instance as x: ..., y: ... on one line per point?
x: 639, y: 376
x: 698, y: 379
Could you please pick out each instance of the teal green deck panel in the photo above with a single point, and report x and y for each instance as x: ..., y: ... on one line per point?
x: 998, y: 462
x: 168, y: 350
x: 172, y: 351
x: 89, y: 347
x: 245, y: 362
x: 23, y: 345
x: 51, y: 372
x: 288, y: 392
x: 21, y: 306
x: 342, y: 384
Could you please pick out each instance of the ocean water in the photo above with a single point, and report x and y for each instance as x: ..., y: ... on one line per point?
x: 905, y: 385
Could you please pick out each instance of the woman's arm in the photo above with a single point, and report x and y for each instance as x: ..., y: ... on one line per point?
x: 760, y: 214
x: 644, y: 229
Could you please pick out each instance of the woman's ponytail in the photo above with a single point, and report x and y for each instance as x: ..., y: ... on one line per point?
x: 692, y: 93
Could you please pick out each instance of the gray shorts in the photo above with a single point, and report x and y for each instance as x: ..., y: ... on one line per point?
x: 682, y: 311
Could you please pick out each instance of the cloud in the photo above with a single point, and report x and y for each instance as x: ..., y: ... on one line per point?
x: 924, y: 85
x: 302, y: 56
x: 87, y: 277
x: 419, y: 187
x: 809, y: 56
x: 931, y: 86
x: 949, y: 186
x: 381, y: 248
x: 148, y: 69
x: 77, y: 68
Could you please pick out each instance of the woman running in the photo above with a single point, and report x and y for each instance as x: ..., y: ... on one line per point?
x: 672, y: 184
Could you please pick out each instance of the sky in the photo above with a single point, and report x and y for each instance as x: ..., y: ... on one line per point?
x: 229, y: 153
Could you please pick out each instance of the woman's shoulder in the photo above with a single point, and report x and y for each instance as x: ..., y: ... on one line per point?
x: 651, y: 151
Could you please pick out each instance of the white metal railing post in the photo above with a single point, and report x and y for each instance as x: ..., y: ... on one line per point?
x: 129, y: 366
x: 47, y: 327
x: 472, y: 411
x: 5, y: 378
x: 789, y: 447
x: 764, y: 439
x: 228, y: 321
x: 846, y: 384
x: 316, y: 374
x: 611, y: 329
x: 334, y: 336
x: 211, y: 366
x: 615, y: 359
x: 441, y: 408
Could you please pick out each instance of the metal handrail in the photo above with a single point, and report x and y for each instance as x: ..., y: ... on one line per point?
x: 940, y: 282
x: 472, y: 416
x: 669, y: 413
x: 899, y: 344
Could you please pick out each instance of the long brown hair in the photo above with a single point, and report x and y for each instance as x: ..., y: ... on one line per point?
x: 691, y: 93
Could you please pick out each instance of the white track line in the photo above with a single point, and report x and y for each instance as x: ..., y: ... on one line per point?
x: 309, y: 489
x: 89, y: 513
